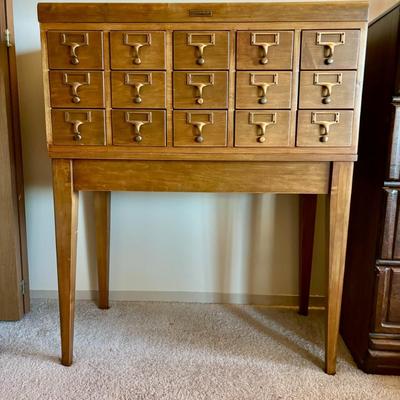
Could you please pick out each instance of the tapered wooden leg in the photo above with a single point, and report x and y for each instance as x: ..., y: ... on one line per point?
x: 102, y: 217
x: 308, y: 207
x: 339, y: 208
x: 66, y: 217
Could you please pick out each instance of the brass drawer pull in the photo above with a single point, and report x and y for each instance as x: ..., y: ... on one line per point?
x: 74, y: 45
x: 263, y: 85
x: 200, y: 46
x: 327, y: 86
x: 76, y: 123
x: 324, y: 124
x: 137, y: 85
x: 138, y: 123
x: 75, y: 84
x: 264, y: 45
x: 263, y: 125
x: 199, y: 125
x: 200, y: 85
x: 330, y: 45
x: 136, y: 46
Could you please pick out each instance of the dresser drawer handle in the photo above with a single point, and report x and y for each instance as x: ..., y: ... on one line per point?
x: 329, y: 45
x: 200, y: 85
x: 69, y: 80
x: 199, y: 125
x: 76, y: 123
x: 324, y: 124
x: 74, y: 45
x: 263, y: 125
x: 263, y: 85
x: 136, y: 46
x: 327, y: 86
x: 264, y: 45
x: 200, y: 46
x: 138, y: 123
x: 138, y: 85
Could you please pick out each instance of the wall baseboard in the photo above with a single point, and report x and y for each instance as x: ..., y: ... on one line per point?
x: 188, y: 297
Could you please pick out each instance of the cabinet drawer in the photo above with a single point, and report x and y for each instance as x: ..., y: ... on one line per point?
x: 330, y: 49
x: 264, y: 50
x: 137, y: 50
x: 75, y: 49
x: 78, y: 127
x: 317, y: 128
x: 330, y: 89
x: 258, y: 128
x: 200, y: 128
x: 81, y: 89
x: 198, y: 49
x: 138, y: 127
x: 270, y: 89
x: 195, y: 89
x: 138, y: 89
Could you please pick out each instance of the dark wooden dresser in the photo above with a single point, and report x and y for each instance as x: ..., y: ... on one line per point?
x: 370, y: 322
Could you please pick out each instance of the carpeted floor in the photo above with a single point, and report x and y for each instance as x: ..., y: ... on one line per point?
x: 179, y: 351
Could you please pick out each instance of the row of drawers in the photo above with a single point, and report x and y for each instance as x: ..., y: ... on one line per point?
x: 253, y: 128
x: 255, y: 50
x: 197, y: 90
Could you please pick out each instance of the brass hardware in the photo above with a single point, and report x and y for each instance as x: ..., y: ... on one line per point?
x: 200, y: 85
x: 137, y: 86
x: 7, y: 36
x: 136, y: 46
x: 329, y: 45
x: 263, y: 85
x: 75, y: 85
x: 327, y: 86
x: 76, y: 123
x: 324, y: 124
x: 199, y: 125
x: 200, y: 46
x: 264, y: 45
x: 74, y: 45
x: 137, y: 124
x: 263, y: 125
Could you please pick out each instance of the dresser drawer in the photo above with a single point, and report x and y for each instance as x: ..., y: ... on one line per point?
x: 80, y: 89
x: 330, y: 49
x: 200, y: 128
x: 75, y: 49
x: 138, y: 89
x: 139, y: 127
x: 318, y: 128
x: 329, y: 89
x: 78, y: 127
x: 258, y: 128
x: 270, y: 89
x: 198, y: 49
x: 264, y: 50
x: 137, y: 50
x: 195, y: 89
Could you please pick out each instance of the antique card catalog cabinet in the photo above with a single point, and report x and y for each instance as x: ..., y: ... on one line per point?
x: 228, y: 97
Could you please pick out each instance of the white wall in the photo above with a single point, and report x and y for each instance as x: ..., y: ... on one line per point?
x: 245, y: 244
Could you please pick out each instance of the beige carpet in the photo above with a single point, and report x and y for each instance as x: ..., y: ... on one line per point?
x: 179, y: 351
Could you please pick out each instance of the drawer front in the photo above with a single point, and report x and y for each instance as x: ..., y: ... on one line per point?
x: 195, y: 89
x: 78, y: 127
x: 258, y: 128
x: 270, y: 89
x: 75, y: 49
x: 80, y: 89
x: 201, y: 50
x: 330, y: 49
x: 137, y: 50
x: 138, y: 89
x: 329, y: 89
x: 200, y: 128
x: 264, y: 50
x: 139, y: 127
x: 318, y: 128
